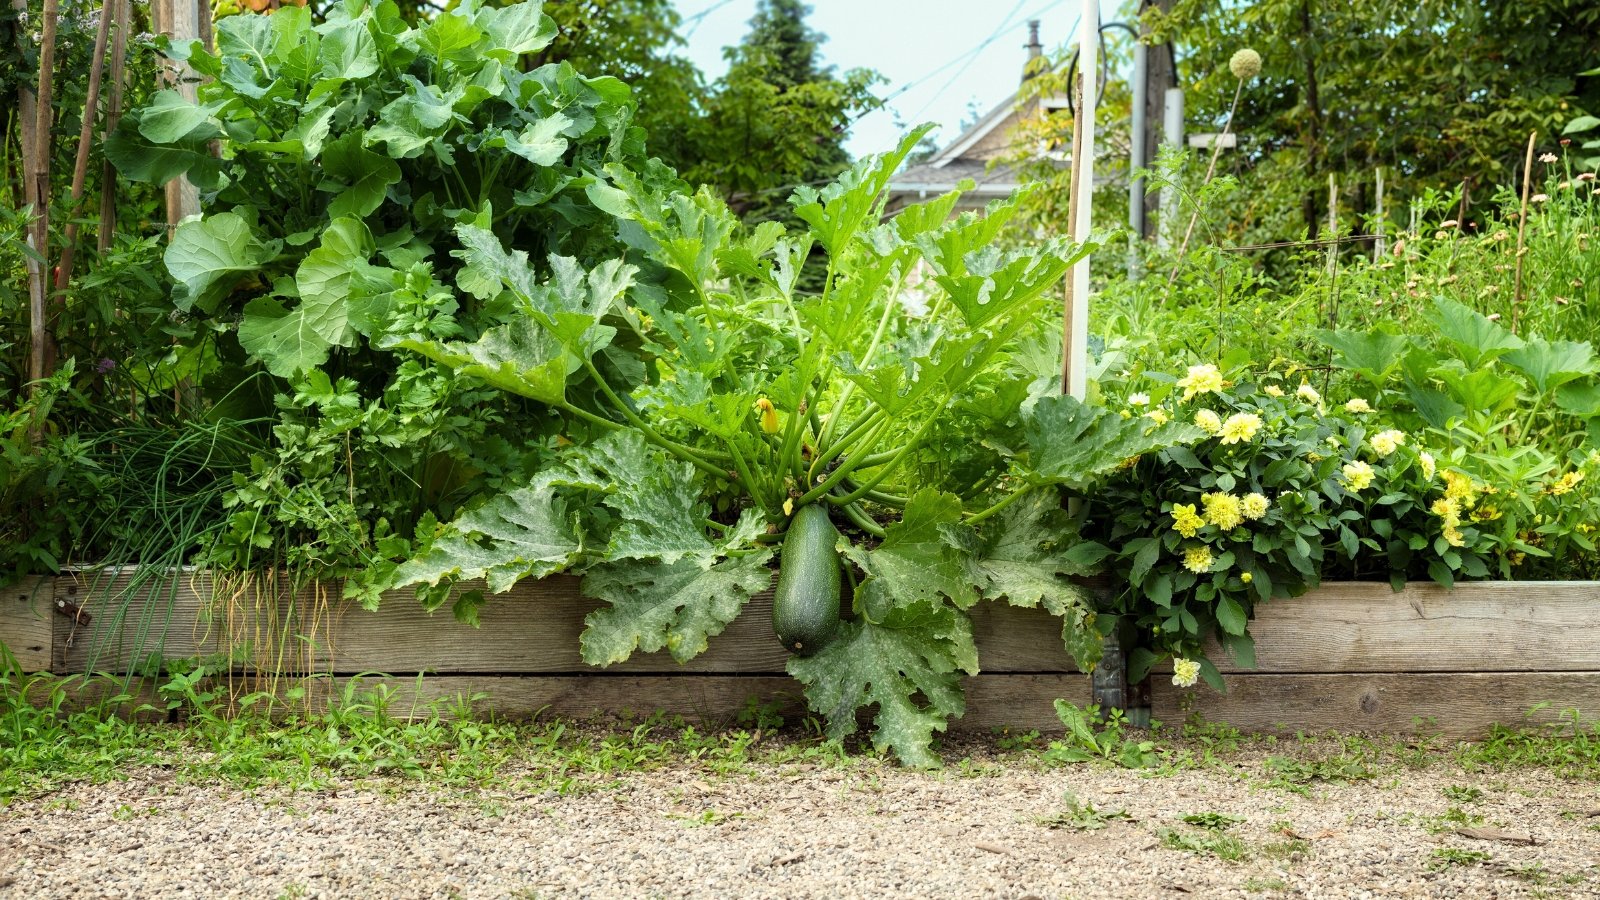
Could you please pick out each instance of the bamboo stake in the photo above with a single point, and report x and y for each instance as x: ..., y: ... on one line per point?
x: 80, y: 168
x: 1522, y: 226
x: 41, y: 351
x: 1075, y: 317
x: 108, y: 173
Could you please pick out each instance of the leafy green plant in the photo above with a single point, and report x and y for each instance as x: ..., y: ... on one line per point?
x: 1087, y: 739
x: 1081, y: 815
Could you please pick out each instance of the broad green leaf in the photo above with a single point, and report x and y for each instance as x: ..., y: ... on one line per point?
x: 327, y: 273
x: 518, y: 28
x: 1371, y: 354
x: 540, y: 143
x: 450, y: 36
x: 288, y: 341
x: 656, y: 497
x: 1580, y: 398
x: 837, y: 212
x: 1073, y: 443
x: 519, y: 357
x: 207, y: 257
x: 523, y: 533
x: 140, y: 159
x: 348, y: 50
x: 1024, y: 556
x: 1582, y: 123
x: 412, y: 121
x: 918, y: 653
x: 1550, y: 364
x: 674, y: 606
x: 169, y: 118
x: 1230, y: 615
x: 915, y: 562
x: 999, y: 284
x: 366, y: 176
x: 1482, y: 391
x: 1476, y: 337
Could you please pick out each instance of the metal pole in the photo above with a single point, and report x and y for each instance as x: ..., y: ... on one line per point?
x: 1139, y: 153
x: 1171, y: 136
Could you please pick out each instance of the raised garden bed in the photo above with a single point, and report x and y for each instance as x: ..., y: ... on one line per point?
x: 1351, y: 656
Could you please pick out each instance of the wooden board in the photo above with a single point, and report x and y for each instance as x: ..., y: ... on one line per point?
x: 1019, y: 702
x: 25, y: 622
x: 533, y: 628
x: 1460, y: 707
x: 1478, y: 627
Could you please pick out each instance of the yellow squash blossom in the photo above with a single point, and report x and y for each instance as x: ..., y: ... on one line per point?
x: 769, y: 416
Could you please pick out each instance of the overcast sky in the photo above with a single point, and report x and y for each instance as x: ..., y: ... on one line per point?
x: 939, y: 56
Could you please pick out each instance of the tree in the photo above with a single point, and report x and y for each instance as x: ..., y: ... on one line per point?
x: 778, y: 118
x: 1440, y: 93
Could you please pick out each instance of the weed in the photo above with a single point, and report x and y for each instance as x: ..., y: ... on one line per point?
x: 1079, y: 815
x: 1290, y: 850
x: 1445, y: 857
x: 1213, y: 820
x: 1462, y: 793
x: 1450, y: 820
x: 1256, y: 885
x: 1205, y: 843
x: 1087, y: 738
x: 1567, y: 746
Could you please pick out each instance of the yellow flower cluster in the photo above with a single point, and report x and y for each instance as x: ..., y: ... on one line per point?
x: 1223, y: 510
x: 1201, y: 380
x: 1565, y: 483
x: 1240, y: 427
x: 1386, y: 442
x: 1272, y: 390
x: 1254, y: 506
x: 1357, y: 476
x: 1208, y: 421
x: 1197, y: 559
x: 1429, y: 467
x: 1357, y: 405
x: 1158, y: 416
x: 1185, y: 672
x: 1458, y: 487
x: 1185, y: 520
x: 1308, y: 393
x: 1448, y: 509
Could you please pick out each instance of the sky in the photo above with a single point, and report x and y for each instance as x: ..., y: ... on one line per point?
x: 939, y: 56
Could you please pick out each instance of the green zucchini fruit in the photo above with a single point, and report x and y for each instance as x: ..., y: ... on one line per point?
x: 805, y: 607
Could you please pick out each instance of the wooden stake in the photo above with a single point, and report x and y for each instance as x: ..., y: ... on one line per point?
x: 1075, y: 318
x: 1522, y: 226
x: 108, y: 173
x: 80, y: 168
x: 41, y: 351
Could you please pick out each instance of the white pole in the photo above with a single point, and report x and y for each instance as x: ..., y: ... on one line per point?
x: 1077, y: 343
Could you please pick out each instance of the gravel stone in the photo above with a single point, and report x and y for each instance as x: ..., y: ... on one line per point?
x: 786, y: 831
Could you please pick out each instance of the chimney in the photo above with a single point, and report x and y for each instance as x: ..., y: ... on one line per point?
x: 1035, y: 50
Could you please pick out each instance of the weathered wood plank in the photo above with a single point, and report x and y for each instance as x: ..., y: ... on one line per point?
x: 25, y: 622
x: 1478, y: 627
x: 1460, y: 707
x: 533, y: 628
x: 1019, y: 702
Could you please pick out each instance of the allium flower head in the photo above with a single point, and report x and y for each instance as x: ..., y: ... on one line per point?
x: 1185, y: 672
x: 1208, y: 421
x: 1240, y: 427
x: 1245, y: 64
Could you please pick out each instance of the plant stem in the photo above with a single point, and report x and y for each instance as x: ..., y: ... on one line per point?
x: 1211, y: 169
x: 861, y: 520
x: 650, y: 434
x: 1006, y: 501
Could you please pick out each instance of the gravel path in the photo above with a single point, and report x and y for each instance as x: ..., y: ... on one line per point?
x: 865, y: 830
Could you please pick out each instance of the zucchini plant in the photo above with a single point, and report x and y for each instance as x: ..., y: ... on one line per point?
x: 900, y: 429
